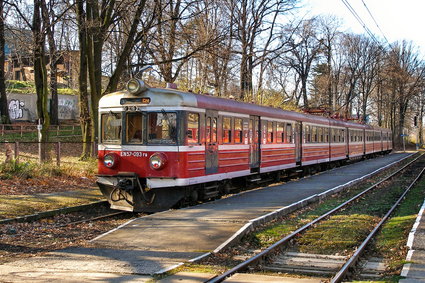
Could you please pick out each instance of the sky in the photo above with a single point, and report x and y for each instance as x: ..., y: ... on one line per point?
x: 398, y: 20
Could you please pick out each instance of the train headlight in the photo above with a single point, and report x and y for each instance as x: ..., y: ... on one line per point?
x: 158, y: 161
x: 110, y: 160
x: 135, y: 86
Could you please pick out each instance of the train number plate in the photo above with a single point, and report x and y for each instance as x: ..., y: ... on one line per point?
x: 134, y: 154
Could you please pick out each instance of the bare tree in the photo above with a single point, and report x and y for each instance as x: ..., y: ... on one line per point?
x: 405, y: 80
x: 251, y: 19
x: 305, y: 48
x: 4, y: 110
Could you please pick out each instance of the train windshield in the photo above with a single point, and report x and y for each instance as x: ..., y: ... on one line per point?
x: 111, y: 127
x: 162, y: 127
x: 134, y: 126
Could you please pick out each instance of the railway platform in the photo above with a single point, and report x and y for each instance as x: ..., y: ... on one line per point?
x: 162, y: 241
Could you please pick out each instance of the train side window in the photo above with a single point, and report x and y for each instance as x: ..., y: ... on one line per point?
x: 208, y: 135
x: 269, y: 132
x: 134, y: 128
x: 320, y: 134
x: 342, y: 135
x: 288, y: 133
x: 227, y: 130
x: 251, y: 132
x: 307, y: 134
x: 192, y: 132
x: 238, y: 130
x: 314, y: 134
x: 280, y: 135
x: 214, y: 130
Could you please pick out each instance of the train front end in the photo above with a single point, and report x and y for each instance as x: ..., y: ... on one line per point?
x: 138, y: 148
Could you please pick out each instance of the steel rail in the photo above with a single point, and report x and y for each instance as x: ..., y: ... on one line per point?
x: 353, y: 259
x: 51, y: 213
x: 91, y: 219
x: 263, y: 254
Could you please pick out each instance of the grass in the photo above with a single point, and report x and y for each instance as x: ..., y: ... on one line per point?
x: 31, y: 169
x: 19, y: 205
x: 27, y: 87
x: 13, y: 205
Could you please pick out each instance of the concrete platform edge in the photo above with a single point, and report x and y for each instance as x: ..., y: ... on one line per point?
x: 406, y: 267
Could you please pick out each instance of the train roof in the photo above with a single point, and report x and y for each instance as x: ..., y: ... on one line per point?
x: 167, y: 97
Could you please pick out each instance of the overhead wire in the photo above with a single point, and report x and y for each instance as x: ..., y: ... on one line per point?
x: 359, y: 19
x: 376, y: 23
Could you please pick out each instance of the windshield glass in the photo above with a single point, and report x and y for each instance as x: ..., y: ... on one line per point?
x: 134, y: 126
x: 111, y: 127
x: 162, y: 127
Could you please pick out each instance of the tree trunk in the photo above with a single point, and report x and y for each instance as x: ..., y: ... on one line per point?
x: 85, y: 120
x: 114, y: 80
x: 40, y: 78
x: 54, y: 115
x: 4, y: 110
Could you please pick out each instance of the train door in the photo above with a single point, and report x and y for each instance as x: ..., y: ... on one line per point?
x: 254, y: 143
x: 211, y: 142
x: 298, y: 142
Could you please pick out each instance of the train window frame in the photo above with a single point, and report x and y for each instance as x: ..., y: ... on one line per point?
x: 133, y: 134
x: 238, y: 131
x: 214, y: 125
x: 226, y: 131
x: 314, y: 134
x: 280, y: 132
x: 191, y: 140
x: 270, y: 132
x: 307, y: 134
x: 118, y: 124
x: 152, y: 137
x: 289, y: 133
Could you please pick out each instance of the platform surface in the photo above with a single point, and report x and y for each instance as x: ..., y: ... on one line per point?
x: 155, y: 243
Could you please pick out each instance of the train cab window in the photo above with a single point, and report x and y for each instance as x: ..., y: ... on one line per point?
x: 192, y: 132
x: 288, y: 133
x: 111, y: 127
x: 227, y: 130
x: 280, y: 135
x: 134, y: 128
x: 162, y: 127
x: 238, y: 130
x: 270, y: 132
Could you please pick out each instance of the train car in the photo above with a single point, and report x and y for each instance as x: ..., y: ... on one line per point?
x: 159, y: 147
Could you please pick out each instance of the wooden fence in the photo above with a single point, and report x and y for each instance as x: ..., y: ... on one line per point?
x: 29, y: 131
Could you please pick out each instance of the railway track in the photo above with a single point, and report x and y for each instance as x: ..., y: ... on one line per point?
x: 284, y: 256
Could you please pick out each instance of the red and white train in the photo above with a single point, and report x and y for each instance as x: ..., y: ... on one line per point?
x: 159, y: 147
